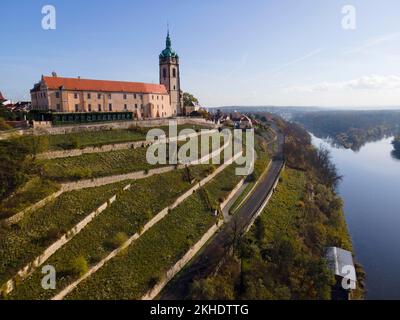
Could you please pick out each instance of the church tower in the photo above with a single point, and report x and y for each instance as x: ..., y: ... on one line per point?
x: 170, y: 76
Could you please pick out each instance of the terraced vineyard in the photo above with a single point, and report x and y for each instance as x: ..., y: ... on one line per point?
x: 99, y: 138
x: 33, y: 191
x: 100, y: 164
x: 22, y: 242
x: 133, y: 208
x: 146, y: 260
x: 131, y: 274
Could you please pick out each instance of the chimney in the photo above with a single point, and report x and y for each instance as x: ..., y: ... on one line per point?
x: 54, y: 74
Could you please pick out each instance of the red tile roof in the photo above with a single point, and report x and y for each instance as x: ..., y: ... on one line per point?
x: 54, y: 83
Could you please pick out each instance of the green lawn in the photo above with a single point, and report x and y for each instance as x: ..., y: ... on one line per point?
x: 127, y: 215
x: 33, y: 191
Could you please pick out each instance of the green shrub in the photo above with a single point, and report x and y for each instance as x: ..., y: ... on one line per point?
x: 78, y: 266
x: 118, y: 240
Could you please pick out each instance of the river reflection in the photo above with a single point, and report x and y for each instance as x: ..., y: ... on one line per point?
x: 371, y: 191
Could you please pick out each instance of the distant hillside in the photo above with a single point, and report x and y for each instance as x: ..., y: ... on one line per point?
x: 351, y: 129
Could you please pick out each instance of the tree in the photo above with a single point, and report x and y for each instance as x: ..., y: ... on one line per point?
x: 188, y: 99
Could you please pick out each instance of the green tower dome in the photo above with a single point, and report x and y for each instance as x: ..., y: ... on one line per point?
x: 168, y: 52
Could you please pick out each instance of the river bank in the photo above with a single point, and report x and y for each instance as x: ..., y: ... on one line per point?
x: 370, y: 184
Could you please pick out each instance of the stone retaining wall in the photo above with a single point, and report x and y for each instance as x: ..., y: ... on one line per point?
x: 123, y: 125
x: 32, y: 266
x: 18, y: 216
x: 97, y: 182
x: 232, y: 194
x: 102, y: 126
x: 151, y: 294
x: 113, y: 147
x: 170, y: 274
x: 158, y: 217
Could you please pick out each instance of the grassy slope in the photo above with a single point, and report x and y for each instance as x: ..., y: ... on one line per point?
x: 33, y: 191
x: 128, y: 214
x: 99, y: 138
x: 131, y: 274
x: 21, y: 243
x: 98, y: 164
x: 282, y: 210
x: 285, y: 216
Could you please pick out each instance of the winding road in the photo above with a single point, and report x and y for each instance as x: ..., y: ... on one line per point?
x: 206, y: 262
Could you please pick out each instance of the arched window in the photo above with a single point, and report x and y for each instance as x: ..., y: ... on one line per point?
x: 174, y: 72
x: 164, y: 72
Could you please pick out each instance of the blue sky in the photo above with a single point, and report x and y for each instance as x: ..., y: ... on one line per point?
x: 258, y: 52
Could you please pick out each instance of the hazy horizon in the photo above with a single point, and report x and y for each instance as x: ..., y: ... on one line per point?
x: 318, y: 107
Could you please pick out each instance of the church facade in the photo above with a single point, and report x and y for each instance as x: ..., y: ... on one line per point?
x: 144, y: 100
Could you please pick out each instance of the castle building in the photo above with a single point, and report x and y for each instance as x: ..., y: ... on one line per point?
x: 144, y: 100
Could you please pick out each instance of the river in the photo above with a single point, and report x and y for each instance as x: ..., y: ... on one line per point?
x: 371, y: 192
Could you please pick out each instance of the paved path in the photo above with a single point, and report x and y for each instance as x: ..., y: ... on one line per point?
x: 208, y: 260
x: 227, y: 208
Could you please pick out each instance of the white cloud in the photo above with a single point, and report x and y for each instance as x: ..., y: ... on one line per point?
x: 372, y: 82
x: 375, y: 82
